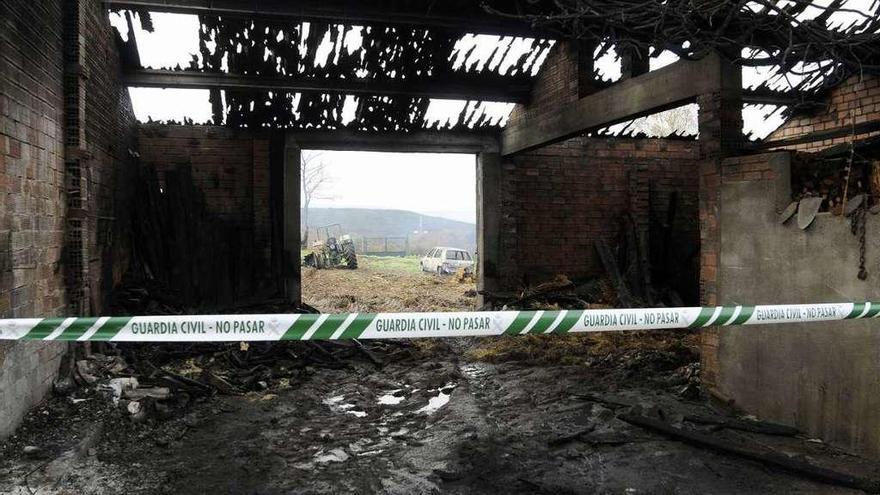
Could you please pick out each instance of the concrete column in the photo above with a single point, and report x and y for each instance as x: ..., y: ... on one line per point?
x: 720, y: 124
x: 488, y: 222
x: 291, y: 229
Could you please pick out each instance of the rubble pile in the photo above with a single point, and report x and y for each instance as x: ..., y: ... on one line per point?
x: 141, y: 382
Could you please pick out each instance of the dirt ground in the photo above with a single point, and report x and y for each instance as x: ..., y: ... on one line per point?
x: 459, y: 416
x: 385, y: 284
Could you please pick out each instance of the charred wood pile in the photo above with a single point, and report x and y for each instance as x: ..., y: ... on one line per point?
x: 194, y: 257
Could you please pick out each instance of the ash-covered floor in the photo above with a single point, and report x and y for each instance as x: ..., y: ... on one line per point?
x: 431, y: 420
x: 532, y: 414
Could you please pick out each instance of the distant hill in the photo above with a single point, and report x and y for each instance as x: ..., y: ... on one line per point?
x: 366, y: 222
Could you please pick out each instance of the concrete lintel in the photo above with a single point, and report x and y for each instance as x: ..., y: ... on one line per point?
x: 413, y: 142
x: 665, y: 88
x: 462, y: 88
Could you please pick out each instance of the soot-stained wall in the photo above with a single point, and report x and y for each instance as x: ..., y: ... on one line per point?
x: 229, y: 173
x: 558, y: 200
x: 32, y: 180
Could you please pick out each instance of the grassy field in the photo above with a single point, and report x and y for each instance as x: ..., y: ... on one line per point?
x: 408, y: 264
x: 391, y: 263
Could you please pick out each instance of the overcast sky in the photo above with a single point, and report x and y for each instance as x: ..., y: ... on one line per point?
x: 431, y: 184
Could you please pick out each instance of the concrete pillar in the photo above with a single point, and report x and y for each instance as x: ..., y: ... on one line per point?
x: 291, y: 229
x: 720, y: 125
x: 488, y: 222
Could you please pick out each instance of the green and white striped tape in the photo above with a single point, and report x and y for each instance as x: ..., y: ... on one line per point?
x: 271, y: 327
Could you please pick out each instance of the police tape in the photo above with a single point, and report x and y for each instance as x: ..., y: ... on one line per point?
x: 273, y: 327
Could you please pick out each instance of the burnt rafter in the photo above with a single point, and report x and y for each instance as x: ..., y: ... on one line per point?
x: 379, y: 79
x: 466, y: 86
x: 791, y: 98
x: 466, y: 16
x: 781, y: 34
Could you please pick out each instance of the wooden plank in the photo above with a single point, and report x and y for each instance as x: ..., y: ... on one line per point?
x: 766, y: 457
x: 676, y: 84
x: 843, y: 131
x: 765, y: 96
x: 458, y: 16
x: 608, y: 261
x: 465, y: 87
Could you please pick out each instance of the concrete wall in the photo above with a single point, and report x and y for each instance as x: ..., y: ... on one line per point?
x: 33, y: 198
x: 823, y: 378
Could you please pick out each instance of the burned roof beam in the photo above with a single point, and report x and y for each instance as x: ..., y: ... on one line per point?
x: 468, y: 87
x: 471, y: 19
x: 793, y: 99
x: 671, y: 86
x: 824, y: 135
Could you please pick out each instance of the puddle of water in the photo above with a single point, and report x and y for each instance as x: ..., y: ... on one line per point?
x: 399, y: 433
x: 335, y: 455
x: 435, y: 403
x: 335, y: 405
x: 390, y: 399
x: 440, y: 400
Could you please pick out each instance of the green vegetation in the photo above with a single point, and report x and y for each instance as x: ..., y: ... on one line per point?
x: 408, y: 264
x: 391, y: 263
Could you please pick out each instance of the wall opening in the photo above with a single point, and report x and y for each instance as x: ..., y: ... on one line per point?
x: 388, y: 231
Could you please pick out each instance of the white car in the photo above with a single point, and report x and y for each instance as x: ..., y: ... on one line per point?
x: 446, y: 260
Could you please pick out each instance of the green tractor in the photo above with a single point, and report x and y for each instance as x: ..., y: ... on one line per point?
x: 331, y: 249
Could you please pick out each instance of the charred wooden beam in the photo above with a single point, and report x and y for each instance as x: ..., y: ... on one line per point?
x: 766, y: 96
x: 468, y: 87
x: 844, y: 131
x: 466, y: 17
x: 674, y: 85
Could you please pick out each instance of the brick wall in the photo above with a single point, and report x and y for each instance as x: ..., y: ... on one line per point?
x: 555, y: 87
x: 110, y: 137
x: 231, y: 169
x: 557, y: 200
x: 854, y: 102
x: 31, y: 158
x: 32, y: 178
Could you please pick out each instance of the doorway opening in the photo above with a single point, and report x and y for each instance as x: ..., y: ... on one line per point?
x: 388, y: 232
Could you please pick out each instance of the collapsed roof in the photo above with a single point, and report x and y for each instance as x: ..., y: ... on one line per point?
x: 373, y: 66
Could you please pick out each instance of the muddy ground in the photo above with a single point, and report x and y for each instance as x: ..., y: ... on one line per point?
x: 456, y: 416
